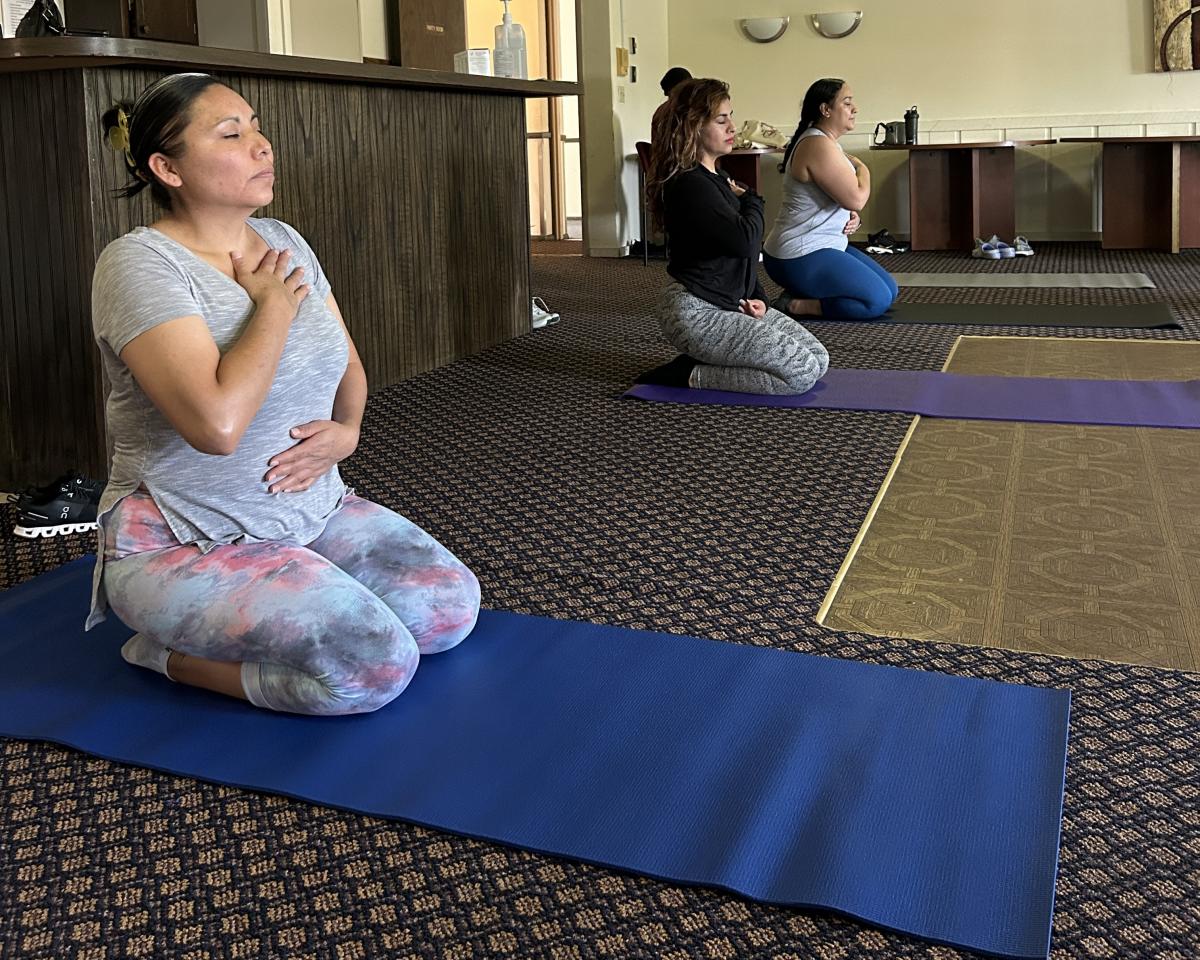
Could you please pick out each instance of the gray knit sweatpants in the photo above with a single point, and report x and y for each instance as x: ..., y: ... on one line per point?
x: 774, y: 355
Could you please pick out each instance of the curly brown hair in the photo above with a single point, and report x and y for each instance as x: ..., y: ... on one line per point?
x: 676, y: 147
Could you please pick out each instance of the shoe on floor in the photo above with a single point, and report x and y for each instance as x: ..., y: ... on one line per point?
x: 882, y: 242
x: 985, y: 250
x: 71, y: 480
x: 541, y: 315
x: 71, y: 510
x: 1006, y: 251
x: 1021, y: 247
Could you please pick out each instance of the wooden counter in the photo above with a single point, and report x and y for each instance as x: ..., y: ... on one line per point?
x: 410, y: 185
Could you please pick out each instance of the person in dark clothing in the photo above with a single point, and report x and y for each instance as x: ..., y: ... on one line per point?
x: 715, y: 310
x: 670, y: 80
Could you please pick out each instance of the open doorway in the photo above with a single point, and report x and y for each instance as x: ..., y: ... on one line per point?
x: 552, y: 124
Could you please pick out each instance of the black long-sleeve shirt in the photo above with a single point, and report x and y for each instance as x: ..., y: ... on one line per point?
x: 714, y: 237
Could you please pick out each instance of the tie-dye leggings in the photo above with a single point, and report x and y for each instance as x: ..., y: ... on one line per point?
x: 331, y: 628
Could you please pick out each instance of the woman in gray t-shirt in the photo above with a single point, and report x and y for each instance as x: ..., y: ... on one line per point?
x: 228, y: 540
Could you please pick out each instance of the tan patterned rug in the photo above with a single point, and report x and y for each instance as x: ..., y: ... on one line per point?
x: 1078, y: 541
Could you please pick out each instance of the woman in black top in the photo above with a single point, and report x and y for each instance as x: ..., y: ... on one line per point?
x: 715, y: 312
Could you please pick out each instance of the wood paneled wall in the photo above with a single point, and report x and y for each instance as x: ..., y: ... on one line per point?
x: 50, y: 400
x: 414, y: 200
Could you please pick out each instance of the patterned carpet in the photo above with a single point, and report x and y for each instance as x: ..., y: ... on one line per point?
x: 568, y: 502
x: 556, y: 248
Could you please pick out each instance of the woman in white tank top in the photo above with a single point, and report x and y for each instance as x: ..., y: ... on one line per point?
x: 807, y: 251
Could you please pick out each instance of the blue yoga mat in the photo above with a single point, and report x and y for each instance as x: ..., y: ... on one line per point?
x: 921, y: 802
x: 960, y: 396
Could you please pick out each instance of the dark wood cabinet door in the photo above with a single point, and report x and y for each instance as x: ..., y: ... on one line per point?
x: 170, y: 20
x: 426, y: 33
x: 108, y: 17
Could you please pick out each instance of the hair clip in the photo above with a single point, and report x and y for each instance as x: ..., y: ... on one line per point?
x: 118, y: 139
x: 118, y: 136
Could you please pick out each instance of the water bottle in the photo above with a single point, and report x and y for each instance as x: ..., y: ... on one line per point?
x: 509, y: 57
x: 910, y: 124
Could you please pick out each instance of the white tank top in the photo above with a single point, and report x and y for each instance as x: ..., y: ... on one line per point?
x: 809, y: 219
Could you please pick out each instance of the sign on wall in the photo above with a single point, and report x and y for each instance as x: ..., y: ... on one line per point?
x: 11, y: 12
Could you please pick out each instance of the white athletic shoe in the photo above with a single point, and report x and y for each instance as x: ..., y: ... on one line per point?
x: 985, y: 250
x: 1006, y: 252
x: 541, y: 315
x: 1022, y: 248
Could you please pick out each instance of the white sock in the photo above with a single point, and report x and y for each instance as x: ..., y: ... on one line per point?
x: 141, y: 651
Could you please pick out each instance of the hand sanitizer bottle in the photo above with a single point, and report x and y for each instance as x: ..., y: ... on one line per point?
x: 509, y: 58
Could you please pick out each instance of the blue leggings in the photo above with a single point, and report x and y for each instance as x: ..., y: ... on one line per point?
x: 849, y: 284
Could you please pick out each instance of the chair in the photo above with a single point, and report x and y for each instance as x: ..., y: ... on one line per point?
x: 643, y: 155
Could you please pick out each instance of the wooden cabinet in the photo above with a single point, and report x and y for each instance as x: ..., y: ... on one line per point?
x: 170, y: 20
x: 426, y: 34
x: 173, y: 21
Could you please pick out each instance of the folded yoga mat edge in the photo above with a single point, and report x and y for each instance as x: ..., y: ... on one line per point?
x: 176, y: 699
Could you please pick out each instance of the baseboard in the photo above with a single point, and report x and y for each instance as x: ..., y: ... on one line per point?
x: 608, y: 252
x: 1065, y: 236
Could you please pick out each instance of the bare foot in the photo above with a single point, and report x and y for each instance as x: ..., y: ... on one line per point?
x: 798, y: 307
x: 218, y: 676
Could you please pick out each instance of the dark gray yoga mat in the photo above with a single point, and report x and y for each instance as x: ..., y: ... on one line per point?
x: 957, y: 396
x: 1130, y: 316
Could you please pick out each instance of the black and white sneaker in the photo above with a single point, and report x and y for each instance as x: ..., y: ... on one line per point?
x: 884, y: 242
x: 71, y: 480
x: 68, y: 505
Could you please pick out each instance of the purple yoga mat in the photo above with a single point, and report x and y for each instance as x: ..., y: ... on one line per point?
x: 957, y: 396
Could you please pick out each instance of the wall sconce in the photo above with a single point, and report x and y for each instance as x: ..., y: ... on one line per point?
x: 764, y: 29
x: 837, y: 25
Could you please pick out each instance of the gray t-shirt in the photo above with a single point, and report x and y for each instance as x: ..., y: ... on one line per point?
x: 145, y: 278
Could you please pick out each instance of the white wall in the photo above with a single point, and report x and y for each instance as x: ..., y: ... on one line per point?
x: 373, y: 19
x: 326, y: 29
x: 233, y: 24
x: 978, y: 71
x: 616, y: 114
x: 602, y: 160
